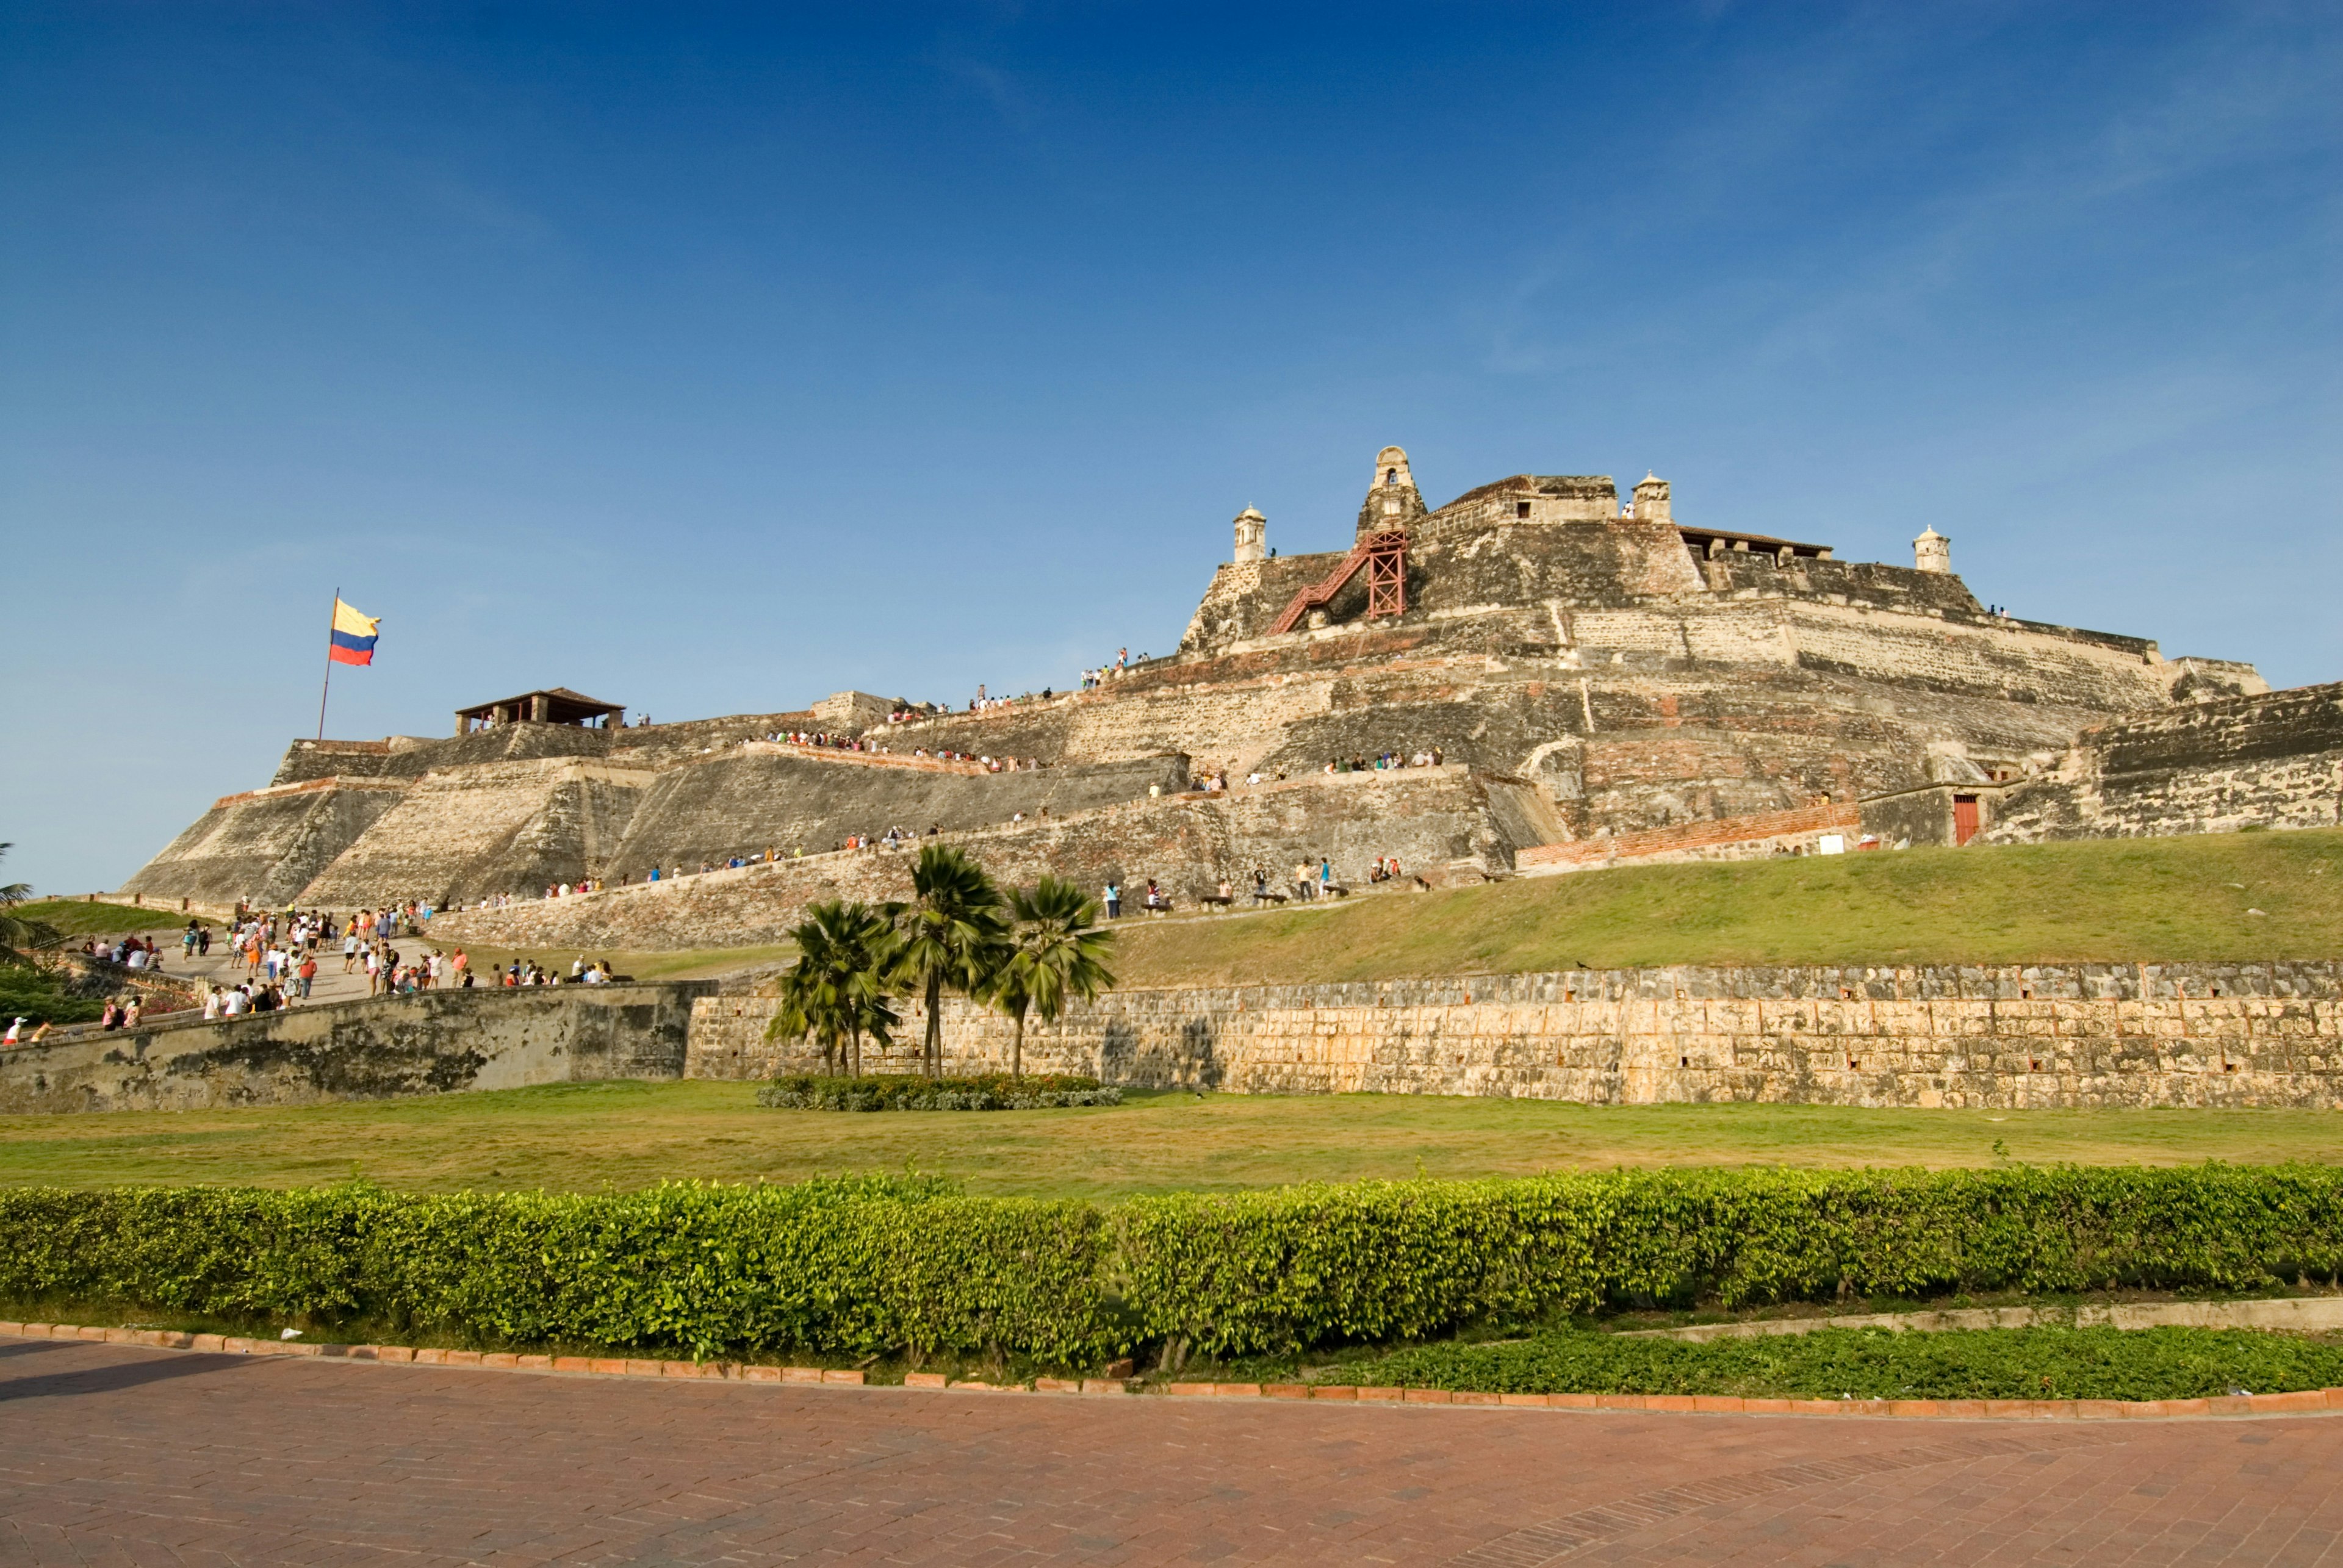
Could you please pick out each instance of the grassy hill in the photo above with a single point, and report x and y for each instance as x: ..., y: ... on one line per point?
x: 78, y: 918
x: 2230, y: 897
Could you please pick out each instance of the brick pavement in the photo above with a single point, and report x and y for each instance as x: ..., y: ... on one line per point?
x: 121, y: 1455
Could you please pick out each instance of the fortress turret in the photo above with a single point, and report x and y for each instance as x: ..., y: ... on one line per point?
x: 1932, y: 552
x: 1252, y: 537
x: 1392, y: 501
x: 1652, y: 500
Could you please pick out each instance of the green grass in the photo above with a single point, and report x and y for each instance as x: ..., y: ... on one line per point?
x: 76, y: 917
x: 2108, y: 900
x: 603, y: 1137
x: 1873, y: 1364
x: 690, y: 963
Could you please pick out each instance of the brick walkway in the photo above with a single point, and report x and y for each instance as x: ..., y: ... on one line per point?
x: 117, y: 1455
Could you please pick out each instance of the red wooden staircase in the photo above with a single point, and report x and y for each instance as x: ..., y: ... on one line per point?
x: 1384, y: 557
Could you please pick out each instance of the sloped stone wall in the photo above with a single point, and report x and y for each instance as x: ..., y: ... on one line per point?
x: 1429, y: 818
x: 493, y: 828
x: 746, y: 799
x: 2039, y: 1037
x: 266, y: 846
x: 2272, y: 760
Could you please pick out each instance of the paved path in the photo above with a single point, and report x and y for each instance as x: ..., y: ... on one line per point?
x: 331, y: 984
x: 115, y: 1455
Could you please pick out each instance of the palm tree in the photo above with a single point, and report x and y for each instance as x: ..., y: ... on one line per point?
x: 21, y: 938
x: 1058, y: 952
x: 951, y: 934
x: 836, y: 991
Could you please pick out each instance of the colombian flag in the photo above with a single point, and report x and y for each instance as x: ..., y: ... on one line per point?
x: 353, y: 636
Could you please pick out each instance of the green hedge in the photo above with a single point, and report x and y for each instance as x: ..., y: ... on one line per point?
x: 870, y: 1265
x: 860, y: 1265
x: 912, y: 1091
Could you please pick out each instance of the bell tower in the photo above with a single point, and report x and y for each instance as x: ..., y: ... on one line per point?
x: 1393, y: 501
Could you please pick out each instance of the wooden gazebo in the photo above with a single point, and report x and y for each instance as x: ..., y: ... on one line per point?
x: 553, y: 704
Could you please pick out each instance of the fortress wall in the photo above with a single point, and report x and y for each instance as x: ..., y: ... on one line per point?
x: 749, y: 799
x: 489, y: 828
x: 2035, y: 1037
x: 1435, y: 820
x: 306, y: 761
x: 2274, y: 760
x: 265, y: 845
x: 1939, y: 654
x: 412, y: 757
x: 428, y: 1043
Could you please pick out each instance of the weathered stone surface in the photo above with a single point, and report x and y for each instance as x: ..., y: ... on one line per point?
x: 2271, y: 760
x: 1447, y: 818
x: 267, y: 845
x: 2066, y: 1036
x: 493, y: 828
x: 428, y: 1043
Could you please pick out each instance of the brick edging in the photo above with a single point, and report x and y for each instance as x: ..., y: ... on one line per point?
x: 2303, y: 1402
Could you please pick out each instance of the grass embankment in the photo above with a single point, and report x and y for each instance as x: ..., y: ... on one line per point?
x: 2109, y: 900
x: 615, y: 1137
x: 78, y: 917
x: 695, y: 963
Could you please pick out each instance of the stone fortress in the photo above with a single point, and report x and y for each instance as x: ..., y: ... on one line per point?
x: 1600, y: 681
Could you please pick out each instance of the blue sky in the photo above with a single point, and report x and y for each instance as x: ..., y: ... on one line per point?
x: 711, y: 360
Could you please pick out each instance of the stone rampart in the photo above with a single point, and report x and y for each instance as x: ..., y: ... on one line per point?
x: 748, y: 798
x: 2045, y: 1037
x: 423, y: 1044
x: 268, y: 845
x: 2271, y: 760
x: 492, y: 828
x: 1430, y: 819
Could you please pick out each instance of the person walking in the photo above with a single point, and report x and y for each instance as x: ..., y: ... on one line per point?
x: 309, y: 972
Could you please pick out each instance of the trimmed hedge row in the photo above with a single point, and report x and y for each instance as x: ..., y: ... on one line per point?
x: 871, y: 1264
x: 859, y: 1265
x: 912, y: 1091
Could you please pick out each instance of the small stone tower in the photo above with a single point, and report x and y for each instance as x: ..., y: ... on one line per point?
x: 1932, y: 552
x: 1252, y: 537
x: 1392, y: 501
x: 1652, y: 500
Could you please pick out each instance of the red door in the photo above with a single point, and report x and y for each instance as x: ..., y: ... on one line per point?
x: 1965, y: 818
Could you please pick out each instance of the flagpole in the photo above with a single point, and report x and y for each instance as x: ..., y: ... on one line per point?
x: 328, y: 686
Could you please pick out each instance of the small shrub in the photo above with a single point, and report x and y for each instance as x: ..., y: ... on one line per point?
x: 909, y: 1092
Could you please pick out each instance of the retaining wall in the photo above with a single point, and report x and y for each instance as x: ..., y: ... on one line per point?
x: 372, y: 1049
x: 2039, y: 1037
